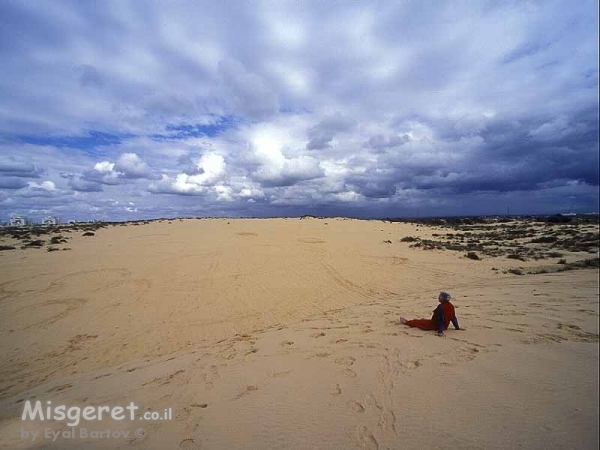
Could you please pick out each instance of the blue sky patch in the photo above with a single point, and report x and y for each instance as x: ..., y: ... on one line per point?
x: 188, y: 130
x: 89, y: 141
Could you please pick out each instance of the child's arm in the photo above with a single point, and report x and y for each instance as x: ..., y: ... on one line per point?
x: 440, y: 317
x: 455, y: 323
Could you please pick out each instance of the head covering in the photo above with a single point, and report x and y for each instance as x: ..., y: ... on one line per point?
x: 445, y: 297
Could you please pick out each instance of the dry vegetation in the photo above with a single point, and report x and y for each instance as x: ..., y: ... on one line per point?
x: 51, y: 237
x: 521, y: 239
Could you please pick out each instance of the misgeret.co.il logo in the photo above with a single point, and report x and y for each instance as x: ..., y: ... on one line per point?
x: 75, y: 414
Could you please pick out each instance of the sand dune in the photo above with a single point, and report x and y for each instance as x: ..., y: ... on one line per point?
x: 283, y: 333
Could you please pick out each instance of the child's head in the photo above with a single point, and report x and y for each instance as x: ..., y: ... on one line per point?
x: 444, y: 297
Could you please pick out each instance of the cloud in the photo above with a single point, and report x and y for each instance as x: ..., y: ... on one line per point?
x: 358, y: 110
x: 13, y: 167
x: 12, y: 183
x: 274, y: 158
x: 44, y: 185
x: 381, y: 142
x: 90, y: 76
x: 211, y: 167
x: 321, y: 135
x: 80, y: 185
x: 44, y: 189
x: 558, y: 129
x: 247, y: 93
x: 288, y: 171
x: 131, y: 165
x: 103, y: 172
x: 208, y: 170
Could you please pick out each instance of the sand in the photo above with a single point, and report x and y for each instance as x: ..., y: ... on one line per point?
x: 283, y: 333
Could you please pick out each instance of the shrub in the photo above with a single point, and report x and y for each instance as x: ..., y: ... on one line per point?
x: 55, y: 240
x: 558, y: 218
x: 7, y: 247
x: 544, y: 240
x: 592, y: 262
x: 473, y: 255
x: 409, y: 239
x: 515, y: 271
x: 89, y: 233
x: 562, y: 261
x: 37, y: 243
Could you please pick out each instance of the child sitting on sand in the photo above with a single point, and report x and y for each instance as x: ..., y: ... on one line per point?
x: 442, y: 316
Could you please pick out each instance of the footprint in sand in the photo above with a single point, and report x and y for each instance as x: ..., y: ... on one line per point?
x: 170, y: 377
x: 387, y: 420
x: 345, y: 360
x: 228, y: 353
x: 79, y: 341
x: 317, y: 335
x: 102, y: 376
x: 335, y: 390
x: 249, y: 389
x: 355, y: 406
x: 280, y: 374
x: 285, y: 343
x: 212, y: 376
x: 243, y: 337
x: 365, y: 439
x: 371, y: 402
x: 349, y: 373
x: 411, y: 364
x: 189, y: 444
x: 199, y: 405
x: 310, y: 240
x: 560, y: 326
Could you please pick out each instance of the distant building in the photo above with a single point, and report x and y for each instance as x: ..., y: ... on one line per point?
x: 50, y: 220
x: 19, y: 221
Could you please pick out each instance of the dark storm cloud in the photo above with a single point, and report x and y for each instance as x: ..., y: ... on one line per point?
x: 13, y: 167
x: 321, y: 135
x: 81, y: 185
x: 12, y: 183
x: 380, y: 142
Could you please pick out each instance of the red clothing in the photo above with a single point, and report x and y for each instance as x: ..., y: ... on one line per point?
x: 422, y: 324
x: 432, y: 324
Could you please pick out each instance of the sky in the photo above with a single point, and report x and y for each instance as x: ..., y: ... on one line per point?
x: 146, y: 109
